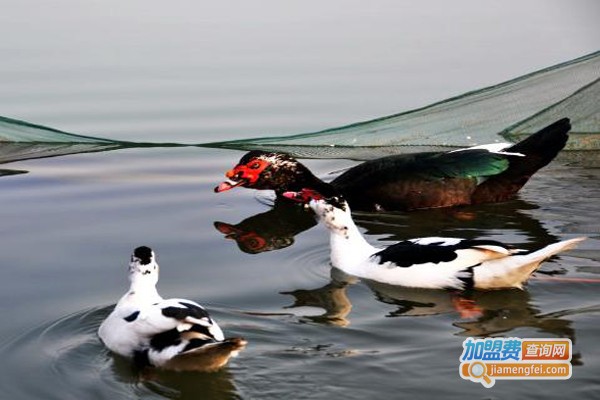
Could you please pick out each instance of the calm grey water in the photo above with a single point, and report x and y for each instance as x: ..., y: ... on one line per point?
x: 196, y: 72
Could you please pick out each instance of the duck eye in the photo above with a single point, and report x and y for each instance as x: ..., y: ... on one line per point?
x: 255, y: 165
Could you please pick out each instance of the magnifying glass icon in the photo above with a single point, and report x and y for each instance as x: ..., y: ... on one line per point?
x: 478, y: 370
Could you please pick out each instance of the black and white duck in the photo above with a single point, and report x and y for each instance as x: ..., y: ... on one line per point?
x: 171, y: 334
x: 429, y: 262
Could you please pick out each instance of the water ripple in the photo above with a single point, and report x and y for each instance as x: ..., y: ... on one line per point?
x: 68, y: 353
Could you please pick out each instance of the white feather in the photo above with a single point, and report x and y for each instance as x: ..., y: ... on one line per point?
x: 492, y: 148
x: 441, y: 241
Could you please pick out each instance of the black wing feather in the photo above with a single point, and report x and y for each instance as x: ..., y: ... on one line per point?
x: 165, y: 339
x: 407, y: 253
x: 188, y: 310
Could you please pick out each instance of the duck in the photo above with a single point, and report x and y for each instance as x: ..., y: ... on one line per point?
x: 480, y: 174
x: 428, y: 262
x: 170, y: 334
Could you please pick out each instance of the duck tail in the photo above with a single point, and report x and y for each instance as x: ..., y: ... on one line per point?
x: 537, y: 257
x: 515, y: 270
x: 544, y: 145
x: 207, y: 358
x: 538, y: 150
x: 556, y: 248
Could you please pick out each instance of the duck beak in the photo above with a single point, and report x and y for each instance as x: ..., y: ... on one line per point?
x: 226, y: 229
x: 235, y: 180
x: 224, y: 186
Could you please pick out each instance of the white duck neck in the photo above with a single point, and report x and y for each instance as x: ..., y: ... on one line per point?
x: 143, y: 288
x: 349, y: 249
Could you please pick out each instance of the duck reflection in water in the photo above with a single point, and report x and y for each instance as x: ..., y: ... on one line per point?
x: 271, y: 230
x: 175, y: 385
x: 276, y: 228
x: 479, y: 313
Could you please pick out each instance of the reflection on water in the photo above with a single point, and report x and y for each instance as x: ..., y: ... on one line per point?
x: 8, y: 172
x: 271, y: 230
x: 479, y: 313
x: 172, y: 385
x: 188, y: 386
x: 332, y: 298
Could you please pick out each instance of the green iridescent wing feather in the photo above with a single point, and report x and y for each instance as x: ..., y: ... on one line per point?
x: 477, y: 164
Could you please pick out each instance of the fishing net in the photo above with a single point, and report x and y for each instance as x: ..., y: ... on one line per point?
x: 15, y: 131
x: 20, y: 140
x: 508, y: 111
x: 10, y: 152
x: 500, y: 113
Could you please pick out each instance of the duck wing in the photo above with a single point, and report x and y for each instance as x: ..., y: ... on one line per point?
x: 422, y: 180
x: 195, y: 344
x: 174, y: 314
x: 436, y: 262
x: 466, y: 163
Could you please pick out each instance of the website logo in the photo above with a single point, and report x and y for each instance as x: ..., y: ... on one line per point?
x: 486, y: 360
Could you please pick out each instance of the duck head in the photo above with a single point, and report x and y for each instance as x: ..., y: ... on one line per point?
x: 143, y: 266
x: 267, y: 170
x: 332, y: 211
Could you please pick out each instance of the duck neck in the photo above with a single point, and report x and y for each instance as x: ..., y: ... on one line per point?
x: 349, y: 249
x: 324, y: 188
x: 143, y: 290
x: 302, y: 178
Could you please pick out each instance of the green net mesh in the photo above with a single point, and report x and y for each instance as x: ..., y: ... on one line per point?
x: 20, y: 140
x: 504, y: 112
x: 15, y: 131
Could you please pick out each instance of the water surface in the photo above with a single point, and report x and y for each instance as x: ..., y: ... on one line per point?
x: 195, y: 72
x: 70, y: 223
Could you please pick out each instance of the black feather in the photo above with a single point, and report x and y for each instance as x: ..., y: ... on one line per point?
x: 141, y: 359
x: 165, y: 339
x: 201, y: 329
x: 195, y: 310
x: 539, y: 149
x: 132, y: 317
x: 188, y: 310
x: 406, y: 254
x: 468, y: 278
x: 144, y: 254
x: 253, y: 154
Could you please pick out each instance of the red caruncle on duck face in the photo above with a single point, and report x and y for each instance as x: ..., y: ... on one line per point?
x: 250, y: 172
x: 247, y: 174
